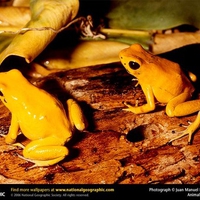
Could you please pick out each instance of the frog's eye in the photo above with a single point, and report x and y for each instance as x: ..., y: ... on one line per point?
x: 134, y: 65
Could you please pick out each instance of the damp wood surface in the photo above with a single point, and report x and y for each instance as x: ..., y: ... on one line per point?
x: 118, y: 147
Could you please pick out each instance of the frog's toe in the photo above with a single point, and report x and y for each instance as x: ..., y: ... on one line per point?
x: 127, y: 109
x: 125, y: 103
x: 128, y: 106
x: 19, y: 145
x: 2, y: 135
x: 130, y: 109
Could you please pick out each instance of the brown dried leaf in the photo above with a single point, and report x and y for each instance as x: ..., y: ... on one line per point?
x: 168, y: 42
x: 44, y: 13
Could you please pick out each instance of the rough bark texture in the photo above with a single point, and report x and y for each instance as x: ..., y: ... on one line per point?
x: 119, y: 146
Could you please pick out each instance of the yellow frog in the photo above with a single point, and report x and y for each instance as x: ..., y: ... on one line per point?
x: 164, y: 81
x: 40, y: 117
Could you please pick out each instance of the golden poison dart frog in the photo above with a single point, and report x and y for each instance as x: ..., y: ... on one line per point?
x: 164, y: 81
x: 40, y: 117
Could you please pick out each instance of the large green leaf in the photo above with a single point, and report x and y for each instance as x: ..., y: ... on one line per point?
x: 29, y: 44
x: 153, y: 14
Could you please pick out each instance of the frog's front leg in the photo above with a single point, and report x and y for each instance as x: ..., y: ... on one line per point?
x: 149, y: 106
x: 10, y: 138
x: 76, y: 115
x: 45, y: 152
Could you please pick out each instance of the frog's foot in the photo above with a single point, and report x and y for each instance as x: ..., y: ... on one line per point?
x: 35, y: 162
x: 40, y: 163
x: 9, y: 139
x: 29, y: 160
x: 189, y: 131
x: 135, y: 79
x: 2, y: 135
x: 130, y: 107
x: 18, y: 145
x: 184, y: 133
x: 137, y: 109
x: 15, y: 144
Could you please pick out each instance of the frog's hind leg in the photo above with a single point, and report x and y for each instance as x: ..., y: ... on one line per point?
x: 45, y: 152
x: 180, y: 106
x: 190, y: 130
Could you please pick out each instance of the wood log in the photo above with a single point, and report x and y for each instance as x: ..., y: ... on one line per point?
x: 119, y: 146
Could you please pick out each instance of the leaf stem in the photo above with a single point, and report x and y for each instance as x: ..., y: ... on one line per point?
x: 124, y: 32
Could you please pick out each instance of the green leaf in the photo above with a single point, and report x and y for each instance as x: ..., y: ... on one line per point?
x: 153, y: 14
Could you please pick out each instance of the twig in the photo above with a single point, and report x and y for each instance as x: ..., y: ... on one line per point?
x: 24, y: 30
